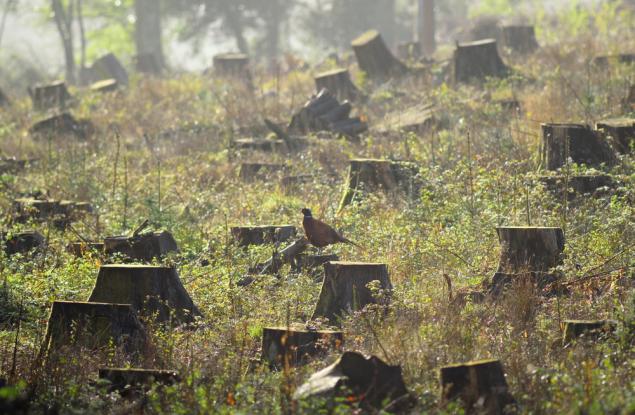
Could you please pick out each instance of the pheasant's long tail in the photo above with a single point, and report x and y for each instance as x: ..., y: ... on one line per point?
x: 355, y: 244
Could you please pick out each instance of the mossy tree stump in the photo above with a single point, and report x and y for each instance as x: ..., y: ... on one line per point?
x: 370, y: 382
x: 122, y: 379
x: 595, y: 185
x: 338, y: 82
x: 528, y: 251
x: 374, y: 57
x: 50, y: 96
x: 23, y: 242
x: 263, y: 234
x: 250, y: 172
x: 345, y: 290
x: 152, y: 291
x: 108, y: 67
x: 621, y: 131
x: 587, y: 329
x: 370, y: 175
x: 233, y: 65
x: 282, y: 346
x: 142, y: 247
x: 480, y: 386
x: 519, y: 38
x: 94, y: 326
x: 477, y: 61
x: 575, y: 141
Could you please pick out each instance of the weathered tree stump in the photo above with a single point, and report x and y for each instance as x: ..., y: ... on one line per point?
x: 369, y: 175
x: 51, y: 96
x: 621, y: 131
x: 282, y: 346
x: 141, y: 247
x: 480, y: 385
x: 345, y: 290
x: 107, y: 85
x: 371, y: 382
x: 338, y: 82
x: 587, y: 329
x: 94, y: 326
x: 62, y: 125
x: 148, y: 63
x: 374, y: 57
x: 527, y: 251
x: 312, y: 262
x: 250, y: 172
x: 597, y: 185
x: 578, y: 142
x: 23, y: 242
x: 152, y: 291
x: 108, y: 67
x: 82, y: 248
x: 520, y: 39
x: 123, y: 379
x: 263, y: 234
x: 477, y: 61
x: 233, y: 65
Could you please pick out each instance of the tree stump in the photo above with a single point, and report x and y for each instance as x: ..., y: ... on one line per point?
x: 148, y: 63
x: 338, y: 82
x: 152, y: 291
x: 62, y: 125
x: 282, y: 346
x: 477, y: 61
x: 581, y: 143
x: 142, y: 247
x: 23, y: 242
x: 263, y: 234
x: 94, y: 326
x: 51, y: 96
x: 108, y: 67
x: 595, y: 185
x: 527, y: 251
x: 369, y: 175
x: 588, y: 329
x: 82, y: 248
x: 61, y: 213
x: 357, y: 379
x: 345, y: 290
x: 374, y: 57
x: 480, y: 385
x: 621, y: 131
x: 312, y: 262
x: 138, y: 379
x: 250, y: 172
x: 107, y: 85
x: 233, y: 65
x: 519, y: 39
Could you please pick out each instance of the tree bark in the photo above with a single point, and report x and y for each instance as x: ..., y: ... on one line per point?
x: 148, y: 29
x: 63, y: 21
x: 427, y: 27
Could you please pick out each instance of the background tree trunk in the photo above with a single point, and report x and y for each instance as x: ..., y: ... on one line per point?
x: 63, y: 21
x: 148, y: 29
x: 426, y: 27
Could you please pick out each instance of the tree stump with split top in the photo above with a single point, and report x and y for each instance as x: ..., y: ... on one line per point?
x: 577, y: 142
x: 374, y: 57
x: 152, y: 291
x: 283, y: 346
x: 338, y: 82
x: 477, y: 61
x: 142, y: 247
x: 345, y: 290
x: 587, y: 329
x: 519, y: 38
x: 50, y: 96
x: 528, y: 251
x: 94, y: 326
x: 480, y: 386
x: 621, y: 131
x: 371, y: 175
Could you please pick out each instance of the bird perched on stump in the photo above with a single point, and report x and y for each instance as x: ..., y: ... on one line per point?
x: 319, y: 233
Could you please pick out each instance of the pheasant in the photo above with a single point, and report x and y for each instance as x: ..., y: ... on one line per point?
x: 319, y: 233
